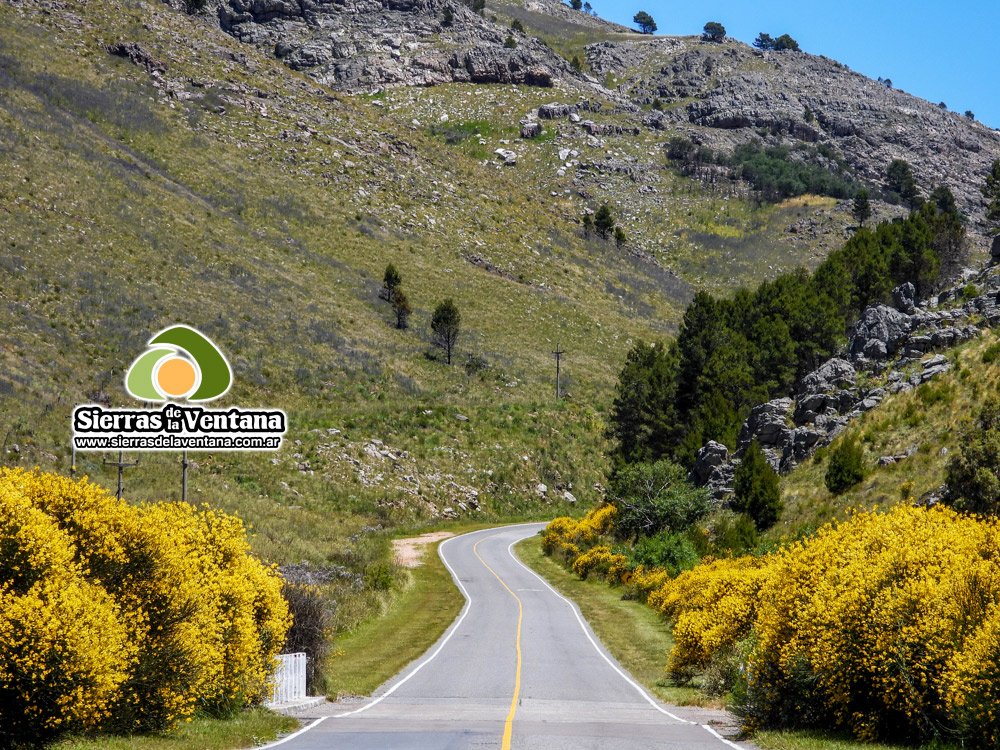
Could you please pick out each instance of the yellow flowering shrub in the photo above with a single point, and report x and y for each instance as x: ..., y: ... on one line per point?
x: 203, y: 618
x: 570, y: 538
x: 601, y: 560
x: 886, y: 625
x: 712, y: 607
x: 64, y: 651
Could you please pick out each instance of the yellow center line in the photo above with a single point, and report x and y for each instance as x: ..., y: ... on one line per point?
x: 508, y: 726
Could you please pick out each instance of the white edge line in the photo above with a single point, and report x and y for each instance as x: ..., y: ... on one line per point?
x: 719, y: 737
x: 629, y: 680
x: 293, y: 735
x: 451, y: 631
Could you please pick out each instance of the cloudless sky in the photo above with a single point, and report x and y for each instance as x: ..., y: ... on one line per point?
x: 935, y: 49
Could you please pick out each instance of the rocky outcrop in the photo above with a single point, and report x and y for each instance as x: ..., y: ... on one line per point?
x: 896, y: 350
x: 729, y: 94
x: 363, y: 45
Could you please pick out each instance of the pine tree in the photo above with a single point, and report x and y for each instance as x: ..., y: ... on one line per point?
x: 401, y: 308
x: 390, y: 282
x: 604, y: 221
x: 862, y: 210
x: 846, y: 467
x: 445, y: 324
x: 644, y: 21
x: 620, y: 237
x: 713, y: 32
x: 755, y: 489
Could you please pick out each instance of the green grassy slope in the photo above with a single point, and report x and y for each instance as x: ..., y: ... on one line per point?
x: 214, y: 187
x: 923, y: 424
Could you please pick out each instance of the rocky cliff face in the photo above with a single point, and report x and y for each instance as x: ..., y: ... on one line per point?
x: 727, y: 94
x: 896, y: 348
x: 364, y: 45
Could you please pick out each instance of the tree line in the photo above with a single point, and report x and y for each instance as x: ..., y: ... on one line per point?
x: 735, y: 353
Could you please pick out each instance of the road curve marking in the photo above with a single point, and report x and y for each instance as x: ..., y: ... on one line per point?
x: 576, y: 613
x: 508, y: 726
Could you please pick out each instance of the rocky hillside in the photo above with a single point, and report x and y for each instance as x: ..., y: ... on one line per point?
x: 719, y: 95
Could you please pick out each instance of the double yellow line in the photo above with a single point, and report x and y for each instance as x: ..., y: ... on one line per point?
x: 508, y: 726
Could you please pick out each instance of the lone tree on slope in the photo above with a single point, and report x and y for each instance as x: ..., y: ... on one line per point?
x: 713, y: 32
x: 402, y: 309
x: 446, y: 323
x: 645, y: 22
x: 862, y: 209
x: 391, y: 281
x: 604, y: 221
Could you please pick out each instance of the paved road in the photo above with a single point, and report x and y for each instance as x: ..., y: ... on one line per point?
x: 519, y: 668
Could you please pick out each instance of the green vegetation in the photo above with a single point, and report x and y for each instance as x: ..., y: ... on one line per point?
x: 973, y: 474
x: 783, y: 43
x: 714, y: 32
x: 422, y: 607
x: 645, y: 22
x: 862, y: 208
x: 846, y: 468
x: 446, y: 324
x: 901, y: 184
x: 755, y: 489
x: 991, y: 192
x: 653, y: 498
x: 732, y: 354
x: 253, y: 727
x: 632, y: 632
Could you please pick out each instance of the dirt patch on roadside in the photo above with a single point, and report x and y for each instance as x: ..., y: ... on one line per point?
x: 409, y: 551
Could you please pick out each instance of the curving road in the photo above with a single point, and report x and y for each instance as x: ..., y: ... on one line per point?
x: 519, y: 668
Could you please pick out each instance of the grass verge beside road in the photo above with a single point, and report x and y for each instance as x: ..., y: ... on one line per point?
x: 251, y: 728
x: 632, y: 632
x: 639, y: 640
x: 382, y: 646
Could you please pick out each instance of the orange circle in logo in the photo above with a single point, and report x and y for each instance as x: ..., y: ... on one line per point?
x: 176, y: 377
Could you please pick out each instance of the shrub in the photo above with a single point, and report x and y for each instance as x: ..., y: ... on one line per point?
x: 600, y: 559
x: 569, y: 537
x: 312, y: 626
x: 655, y: 497
x: 755, y: 489
x: 973, y: 473
x: 671, y: 552
x: 202, y: 618
x: 846, y: 467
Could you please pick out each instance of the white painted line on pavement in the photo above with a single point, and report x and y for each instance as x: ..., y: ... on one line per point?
x: 451, y: 631
x: 718, y: 736
x: 629, y: 680
x: 295, y: 734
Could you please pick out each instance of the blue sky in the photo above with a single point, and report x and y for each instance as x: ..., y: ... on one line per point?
x: 939, y: 51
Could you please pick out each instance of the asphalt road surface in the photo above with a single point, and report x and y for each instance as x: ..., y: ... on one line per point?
x: 519, y: 668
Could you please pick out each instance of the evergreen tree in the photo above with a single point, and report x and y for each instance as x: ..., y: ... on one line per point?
x: 643, y: 423
x: 901, y: 182
x: 510, y: 42
x: 785, y: 43
x: 644, y: 21
x: 620, y: 237
x: 390, y: 282
x: 846, y: 467
x: 862, y: 209
x: 517, y: 26
x: 713, y: 32
x: 447, y: 16
x: 763, y: 41
x: 604, y: 221
x: 991, y: 191
x: 401, y: 308
x: 445, y: 325
x: 576, y: 4
x: 588, y: 225
x: 756, y: 491
x: 973, y: 474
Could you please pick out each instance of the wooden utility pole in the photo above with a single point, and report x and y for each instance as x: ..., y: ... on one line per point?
x: 558, y: 354
x: 184, y: 476
x: 122, y: 464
